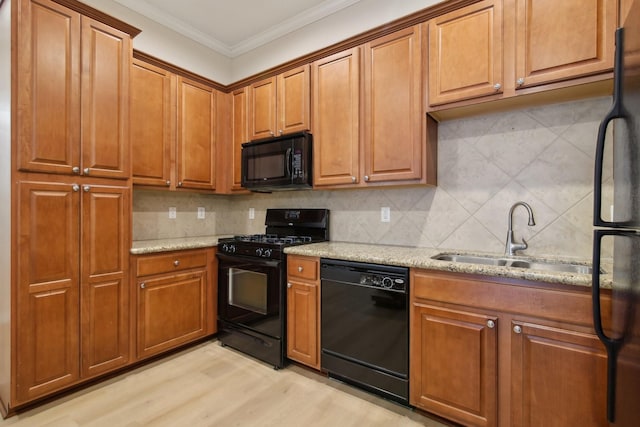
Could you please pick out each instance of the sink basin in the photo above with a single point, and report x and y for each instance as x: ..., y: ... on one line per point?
x: 516, y: 263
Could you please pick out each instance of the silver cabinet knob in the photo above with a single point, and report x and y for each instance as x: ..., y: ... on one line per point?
x: 86, y: 171
x: 168, y: 183
x: 289, y: 285
x: 271, y: 133
x: 176, y: 263
x: 366, y: 178
x: 280, y: 131
x: 179, y: 183
x: 300, y: 269
x: 75, y: 187
x: 142, y: 285
x: 517, y: 329
x: 491, y: 324
x: 520, y: 81
x: 353, y: 179
x: 86, y: 188
x: 75, y: 169
x: 497, y: 86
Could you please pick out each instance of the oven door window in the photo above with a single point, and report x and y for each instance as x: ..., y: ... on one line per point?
x: 248, y: 290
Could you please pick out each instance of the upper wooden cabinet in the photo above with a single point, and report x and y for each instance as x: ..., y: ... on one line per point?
x: 394, y: 121
x: 196, y: 143
x: 240, y: 134
x: 496, y: 49
x: 562, y: 40
x: 173, y: 129
x: 152, y: 123
x: 369, y: 123
x: 280, y: 105
x: 336, y: 119
x: 465, y: 53
x: 73, y: 91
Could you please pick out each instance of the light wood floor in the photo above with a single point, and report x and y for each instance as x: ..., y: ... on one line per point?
x: 208, y: 385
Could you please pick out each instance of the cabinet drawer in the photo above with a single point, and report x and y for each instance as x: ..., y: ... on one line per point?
x: 302, y: 268
x: 176, y: 261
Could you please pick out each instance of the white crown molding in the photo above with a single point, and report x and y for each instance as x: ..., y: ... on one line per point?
x: 287, y: 26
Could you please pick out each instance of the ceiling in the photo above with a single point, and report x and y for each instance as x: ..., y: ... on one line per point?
x: 234, y: 27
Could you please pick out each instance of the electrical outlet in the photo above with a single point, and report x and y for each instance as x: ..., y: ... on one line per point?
x: 385, y: 214
x: 252, y: 213
x: 172, y: 212
x: 200, y: 213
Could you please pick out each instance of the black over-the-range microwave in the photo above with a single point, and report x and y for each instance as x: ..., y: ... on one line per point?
x: 281, y: 163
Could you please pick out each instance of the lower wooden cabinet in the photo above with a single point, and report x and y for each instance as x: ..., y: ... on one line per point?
x: 557, y: 377
x: 455, y: 363
x: 492, y: 351
x: 72, y: 271
x: 303, y: 310
x: 176, y: 297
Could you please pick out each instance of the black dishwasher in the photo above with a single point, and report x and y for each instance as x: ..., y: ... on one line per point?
x: 365, y: 326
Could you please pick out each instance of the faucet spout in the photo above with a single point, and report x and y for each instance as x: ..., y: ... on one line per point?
x: 511, y: 246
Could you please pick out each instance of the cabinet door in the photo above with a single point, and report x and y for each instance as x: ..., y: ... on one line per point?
x: 465, y: 53
x: 48, y: 87
x: 104, y: 292
x: 196, y: 135
x: 171, y: 311
x: 302, y: 323
x: 393, y: 107
x: 558, y: 377
x: 262, y: 109
x: 453, y: 366
x: 293, y: 101
x: 240, y: 107
x: 152, y: 123
x: 46, y: 356
x: 106, y: 61
x: 561, y: 40
x: 336, y: 119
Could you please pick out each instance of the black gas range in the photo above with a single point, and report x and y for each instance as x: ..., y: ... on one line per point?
x: 252, y: 282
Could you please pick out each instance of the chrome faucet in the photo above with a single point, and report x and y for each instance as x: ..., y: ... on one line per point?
x: 511, y: 247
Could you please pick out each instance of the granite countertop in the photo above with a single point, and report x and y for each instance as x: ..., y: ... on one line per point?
x: 421, y: 258
x: 404, y: 256
x: 141, y: 247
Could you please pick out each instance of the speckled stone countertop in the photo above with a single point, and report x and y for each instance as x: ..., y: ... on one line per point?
x: 421, y: 258
x: 141, y: 247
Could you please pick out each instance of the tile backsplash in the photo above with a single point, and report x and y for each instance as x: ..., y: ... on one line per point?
x: 543, y: 156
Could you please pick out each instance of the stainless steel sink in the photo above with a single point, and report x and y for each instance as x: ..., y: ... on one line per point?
x: 516, y: 263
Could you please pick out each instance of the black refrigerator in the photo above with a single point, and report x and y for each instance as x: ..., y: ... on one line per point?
x: 617, y: 229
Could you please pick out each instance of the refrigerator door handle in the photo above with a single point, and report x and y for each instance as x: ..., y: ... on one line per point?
x: 616, y: 112
x: 612, y: 345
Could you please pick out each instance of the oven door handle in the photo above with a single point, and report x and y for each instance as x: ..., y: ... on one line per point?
x: 252, y: 260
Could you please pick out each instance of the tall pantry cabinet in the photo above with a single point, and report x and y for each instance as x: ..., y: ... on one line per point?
x: 70, y: 198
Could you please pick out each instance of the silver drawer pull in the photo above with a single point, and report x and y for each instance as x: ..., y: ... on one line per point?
x: 300, y: 269
x: 142, y: 286
x: 491, y: 324
x: 176, y: 263
x: 517, y: 329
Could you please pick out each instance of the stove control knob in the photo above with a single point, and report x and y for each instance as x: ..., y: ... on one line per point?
x: 225, y: 247
x: 267, y: 253
x: 387, y: 283
x: 259, y: 252
x: 232, y: 249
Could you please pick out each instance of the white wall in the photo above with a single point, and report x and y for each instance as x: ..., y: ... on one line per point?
x: 348, y: 22
x: 174, y: 48
x: 166, y: 44
x: 5, y: 197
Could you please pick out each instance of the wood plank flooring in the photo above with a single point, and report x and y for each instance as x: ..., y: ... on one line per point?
x: 208, y: 385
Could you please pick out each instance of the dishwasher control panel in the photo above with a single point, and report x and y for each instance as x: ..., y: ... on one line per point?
x: 377, y: 280
x: 384, y: 277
